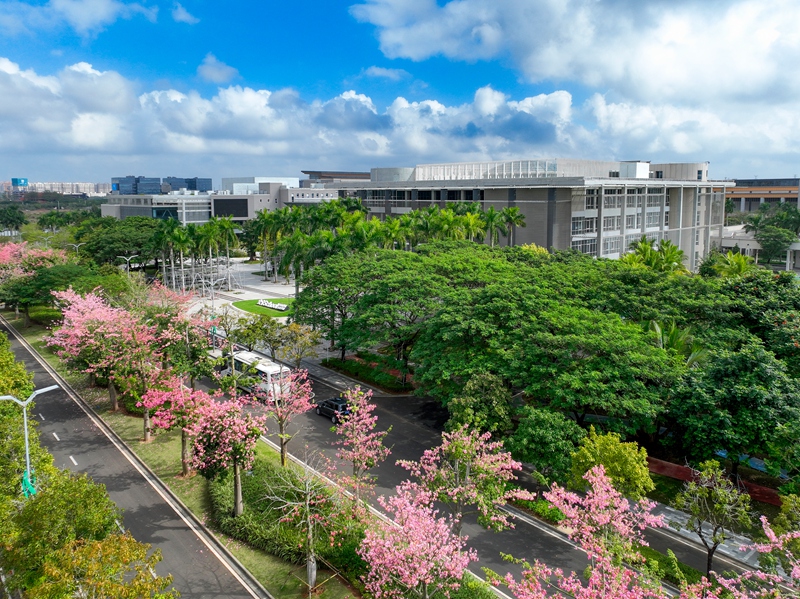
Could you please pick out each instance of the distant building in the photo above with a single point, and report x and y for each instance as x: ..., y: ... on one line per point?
x: 749, y: 194
x: 193, y: 184
x: 246, y: 185
x: 187, y: 208
x: 595, y: 207
x: 131, y: 185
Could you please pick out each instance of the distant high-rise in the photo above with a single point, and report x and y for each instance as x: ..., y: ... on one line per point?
x: 131, y: 185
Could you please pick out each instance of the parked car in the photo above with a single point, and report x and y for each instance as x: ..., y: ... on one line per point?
x: 334, y: 408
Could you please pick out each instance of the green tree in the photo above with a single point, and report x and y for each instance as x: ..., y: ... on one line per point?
x: 625, y: 463
x: 546, y: 440
x: 512, y: 218
x: 774, y: 241
x: 495, y: 225
x: 714, y: 506
x: 733, y: 264
x: 68, y: 507
x: 734, y: 403
x: 298, y: 342
x: 12, y: 218
x: 484, y: 405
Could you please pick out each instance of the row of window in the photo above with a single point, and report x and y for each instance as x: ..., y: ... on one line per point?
x: 587, y: 225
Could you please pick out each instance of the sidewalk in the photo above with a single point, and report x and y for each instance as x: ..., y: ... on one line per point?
x: 730, y: 548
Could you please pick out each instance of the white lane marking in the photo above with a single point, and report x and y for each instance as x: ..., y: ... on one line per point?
x: 70, y: 393
x: 40, y: 416
x: 56, y: 436
x: 73, y: 460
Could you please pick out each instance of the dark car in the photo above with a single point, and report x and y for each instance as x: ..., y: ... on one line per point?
x: 333, y: 408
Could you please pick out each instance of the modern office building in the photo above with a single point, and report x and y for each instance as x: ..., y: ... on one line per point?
x: 131, y: 185
x: 188, y: 207
x: 191, y: 184
x: 595, y: 207
x: 750, y: 194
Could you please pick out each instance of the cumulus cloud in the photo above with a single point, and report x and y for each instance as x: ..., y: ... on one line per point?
x: 686, y: 52
x: 86, y: 17
x: 214, y: 70
x: 81, y: 112
x: 181, y: 15
x: 384, y: 73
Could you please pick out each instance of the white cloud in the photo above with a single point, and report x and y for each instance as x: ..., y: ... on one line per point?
x: 688, y: 52
x: 216, y: 71
x: 181, y: 15
x: 82, y: 117
x: 384, y: 73
x: 86, y: 17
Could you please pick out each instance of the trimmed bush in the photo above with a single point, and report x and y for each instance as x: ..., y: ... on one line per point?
x: 368, y: 374
x: 542, y: 508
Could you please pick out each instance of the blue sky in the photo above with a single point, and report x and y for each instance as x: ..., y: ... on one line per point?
x: 91, y: 89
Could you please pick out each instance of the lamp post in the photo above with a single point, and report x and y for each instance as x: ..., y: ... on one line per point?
x: 28, y: 483
x: 47, y: 239
x: 128, y: 262
x: 76, y: 246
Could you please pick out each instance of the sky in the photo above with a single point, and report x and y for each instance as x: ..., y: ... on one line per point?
x: 92, y: 89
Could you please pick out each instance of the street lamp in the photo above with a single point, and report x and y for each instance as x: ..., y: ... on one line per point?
x: 76, y: 246
x: 28, y: 482
x: 47, y: 239
x: 128, y: 262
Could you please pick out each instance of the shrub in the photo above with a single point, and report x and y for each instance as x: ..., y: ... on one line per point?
x: 542, y: 508
x: 666, y: 567
x: 260, y: 528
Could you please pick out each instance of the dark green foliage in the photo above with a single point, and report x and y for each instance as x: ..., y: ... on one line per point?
x: 734, y: 403
x: 368, y: 374
x: 667, y: 567
x: 546, y: 439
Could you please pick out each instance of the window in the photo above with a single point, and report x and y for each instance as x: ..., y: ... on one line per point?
x: 653, y: 219
x: 633, y: 201
x: 666, y: 219
x: 700, y: 175
x: 697, y: 237
x: 633, y: 221
x: 591, y: 200
x: 612, y: 245
x: 577, y: 225
x: 585, y: 246
x: 590, y: 224
x: 612, y: 202
x: 613, y: 174
x: 659, y: 174
x: 611, y: 223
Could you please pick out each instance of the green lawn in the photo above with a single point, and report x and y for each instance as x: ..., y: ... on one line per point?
x: 253, y: 307
x: 162, y: 455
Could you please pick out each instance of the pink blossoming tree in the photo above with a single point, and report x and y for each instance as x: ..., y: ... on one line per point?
x: 607, y: 528
x: 225, y: 438
x: 177, y: 406
x: 417, y: 555
x: 359, y: 443
x: 282, y: 403
x: 469, y: 471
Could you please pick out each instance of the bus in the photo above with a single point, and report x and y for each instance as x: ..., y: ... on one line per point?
x: 257, y: 373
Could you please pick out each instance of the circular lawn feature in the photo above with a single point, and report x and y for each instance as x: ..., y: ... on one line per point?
x: 253, y: 307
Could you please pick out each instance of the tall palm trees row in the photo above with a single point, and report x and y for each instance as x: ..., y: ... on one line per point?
x: 294, y: 238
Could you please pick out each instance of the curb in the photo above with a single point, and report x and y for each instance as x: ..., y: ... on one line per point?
x: 252, y: 585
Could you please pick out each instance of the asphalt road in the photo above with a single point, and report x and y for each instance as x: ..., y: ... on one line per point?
x: 416, y: 425
x: 80, y: 445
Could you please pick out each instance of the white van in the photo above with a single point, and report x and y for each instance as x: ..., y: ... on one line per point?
x: 257, y: 372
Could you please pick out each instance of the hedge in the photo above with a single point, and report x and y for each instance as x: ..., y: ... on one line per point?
x: 367, y: 373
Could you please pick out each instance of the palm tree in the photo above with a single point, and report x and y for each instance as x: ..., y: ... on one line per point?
x: 208, y: 240
x: 295, y: 254
x: 181, y: 242
x: 670, y: 258
x: 163, y: 244
x: 393, y: 234
x: 681, y: 341
x: 733, y: 264
x: 473, y: 226
x: 448, y: 225
x: 495, y: 225
x: 512, y: 218
x: 227, y: 233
